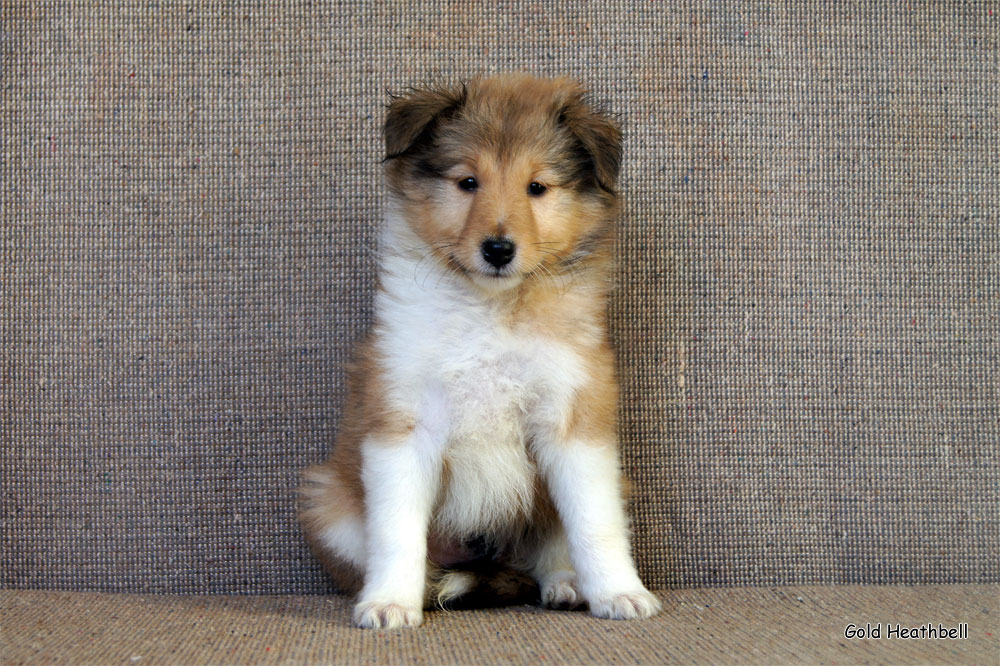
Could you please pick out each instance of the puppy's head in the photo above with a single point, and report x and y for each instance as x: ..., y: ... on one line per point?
x: 505, y: 177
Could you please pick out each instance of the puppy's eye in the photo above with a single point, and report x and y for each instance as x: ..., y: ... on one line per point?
x: 536, y: 189
x: 468, y: 184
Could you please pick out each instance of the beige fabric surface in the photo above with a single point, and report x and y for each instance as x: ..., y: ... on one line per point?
x: 715, y: 626
x: 807, y: 312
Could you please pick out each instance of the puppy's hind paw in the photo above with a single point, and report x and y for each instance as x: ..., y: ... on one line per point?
x: 562, y: 594
x: 630, y: 606
x: 378, y: 615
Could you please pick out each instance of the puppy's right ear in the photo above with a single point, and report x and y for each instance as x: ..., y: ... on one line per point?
x: 413, y: 116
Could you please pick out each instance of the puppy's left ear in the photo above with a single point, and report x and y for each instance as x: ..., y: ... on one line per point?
x: 600, y: 137
x: 413, y: 116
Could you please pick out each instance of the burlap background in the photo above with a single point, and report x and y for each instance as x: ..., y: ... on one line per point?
x: 807, y: 314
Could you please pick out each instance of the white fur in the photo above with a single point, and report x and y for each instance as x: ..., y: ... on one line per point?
x: 553, y: 569
x: 478, y: 390
x: 346, y: 539
x: 484, y: 386
x: 454, y: 584
x: 588, y: 498
x: 401, y: 479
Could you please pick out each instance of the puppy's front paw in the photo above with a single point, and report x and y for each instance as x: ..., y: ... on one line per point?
x: 561, y: 593
x: 628, y: 606
x: 379, y: 615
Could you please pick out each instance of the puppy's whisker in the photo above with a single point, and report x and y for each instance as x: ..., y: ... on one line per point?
x: 552, y: 254
x: 425, y: 257
x: 444, y: 274
x: 432, y: 264
x: 545, y: 274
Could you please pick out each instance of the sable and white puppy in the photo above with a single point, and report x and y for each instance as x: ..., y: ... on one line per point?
x: 479, y: 435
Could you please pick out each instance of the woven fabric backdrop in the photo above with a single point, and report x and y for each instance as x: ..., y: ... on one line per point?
x: 807, y: 303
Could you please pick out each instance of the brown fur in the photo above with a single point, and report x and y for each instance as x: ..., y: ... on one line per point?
x: 513, y: 130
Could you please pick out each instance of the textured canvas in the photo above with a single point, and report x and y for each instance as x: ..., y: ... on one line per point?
x: 807, y: 307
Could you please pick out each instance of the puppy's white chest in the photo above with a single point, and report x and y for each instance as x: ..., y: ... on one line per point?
x: 493, y: 392
x: 479, y: 376
x: 491, y: 384
x: 485, y: 390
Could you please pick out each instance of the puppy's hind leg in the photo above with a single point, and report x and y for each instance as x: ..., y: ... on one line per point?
x: 546, y: 558
x: 333, y: 522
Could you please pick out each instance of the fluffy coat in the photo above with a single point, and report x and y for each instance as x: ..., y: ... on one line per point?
x: 478, y: 448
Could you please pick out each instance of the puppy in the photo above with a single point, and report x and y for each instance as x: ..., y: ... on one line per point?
x: 479, y: 435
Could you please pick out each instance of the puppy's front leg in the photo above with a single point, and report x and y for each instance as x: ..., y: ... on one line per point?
x: 584, y: 481
x: 401, y: 481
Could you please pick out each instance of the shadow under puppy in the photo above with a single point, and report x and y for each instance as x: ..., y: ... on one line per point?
x: 479, y: 435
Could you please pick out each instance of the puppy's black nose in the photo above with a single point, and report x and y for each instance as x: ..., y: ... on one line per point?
x: 498, y: 251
